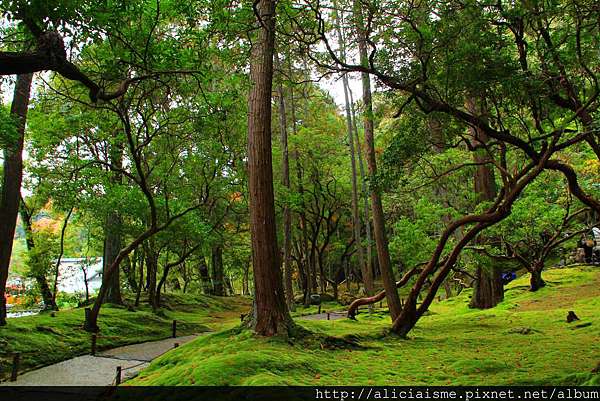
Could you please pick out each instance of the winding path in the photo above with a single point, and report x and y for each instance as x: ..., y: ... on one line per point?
x: 100, y: 370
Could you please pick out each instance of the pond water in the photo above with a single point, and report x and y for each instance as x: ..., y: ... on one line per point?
x: 22, y: 313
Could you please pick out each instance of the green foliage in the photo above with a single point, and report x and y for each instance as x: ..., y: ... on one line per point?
x: 8, y: 128
x: 40, y: 259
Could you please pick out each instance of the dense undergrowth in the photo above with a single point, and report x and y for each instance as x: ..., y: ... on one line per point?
x: 43, y: 339
x: 524, y: 341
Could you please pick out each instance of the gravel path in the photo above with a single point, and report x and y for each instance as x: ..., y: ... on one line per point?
x: 99, y: 370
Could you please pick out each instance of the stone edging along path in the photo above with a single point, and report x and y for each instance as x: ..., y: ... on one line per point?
x: 101, y: 370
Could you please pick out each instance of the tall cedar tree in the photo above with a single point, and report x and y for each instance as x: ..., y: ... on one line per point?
x: 270, y: 315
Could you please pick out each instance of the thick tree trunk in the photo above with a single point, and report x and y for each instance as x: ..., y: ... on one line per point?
x: 285, y: 180
x: 217, y: 270
x: 536, y: 281
x: 381, y: 241
x: 270, y: 315
x: 11, y: 184
x: 489, y: 289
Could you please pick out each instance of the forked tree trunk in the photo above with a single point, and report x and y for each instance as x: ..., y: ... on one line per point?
x: 381, y: 241
x: 11, y: 184
x: 270, y: 315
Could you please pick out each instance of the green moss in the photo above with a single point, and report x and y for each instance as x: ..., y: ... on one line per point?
x: 523, y: 341
x: 43, y: 339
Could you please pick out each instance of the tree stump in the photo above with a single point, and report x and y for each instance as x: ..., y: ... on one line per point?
x: 571, y: 317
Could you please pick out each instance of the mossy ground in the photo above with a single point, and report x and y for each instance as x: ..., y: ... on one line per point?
x: 523, y: 341
x: 43, y: 339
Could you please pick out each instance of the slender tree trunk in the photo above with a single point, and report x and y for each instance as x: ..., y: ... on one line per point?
x: 162, y: 283
x: 11, y: 184
x: 381, y: 241
x: 245, y: 286
x: 364, y: 193
x: 439, y: 145
x: 207, y: 287
x: 217, y: 270
x: 489, y: 289
x: 129, y: 268
x: 141, y: 280
x: 112, y: 233
x: 40, y: 279
x: 270, y: 315
x: 87, y: 288
x: 58, y: 259
x: 285, y: 180
x: 303, y: 254
x: 151, y: 271
x: 366, y: 270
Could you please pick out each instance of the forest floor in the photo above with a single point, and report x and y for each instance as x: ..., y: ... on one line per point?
x: 43, y: 340
x: 523, y: 341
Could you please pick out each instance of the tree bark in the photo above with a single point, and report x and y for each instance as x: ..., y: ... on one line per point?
x: 141, y: 279
x: 207, y: 287
x: 489, y: 289
x: 285, y: 181
x: 366, y: 270
x: 270, y: 315
x: 112, y: 247
x: 381, y: 241
x: 217, y: 270
x: 536, y: 281
x: 364, y: 194
x: 112, y: 232
x: 303, y: 248
x: 11, y: 184
x: 151, y: 271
